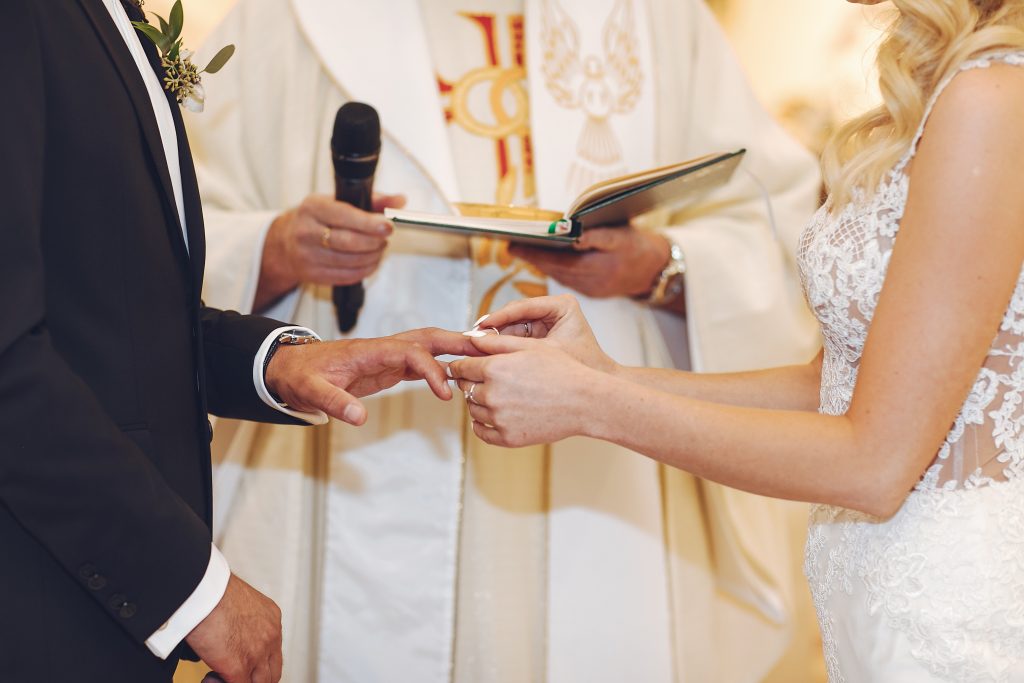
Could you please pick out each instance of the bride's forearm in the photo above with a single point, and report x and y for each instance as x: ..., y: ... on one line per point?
x: 794, y: 387
x: 779, y: 453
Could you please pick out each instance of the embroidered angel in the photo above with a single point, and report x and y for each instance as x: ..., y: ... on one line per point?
x: 601, y: 87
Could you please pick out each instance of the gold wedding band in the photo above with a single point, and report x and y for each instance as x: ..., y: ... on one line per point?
x: 469, y: 394
x: 325, y: 238
x: 528, y: 328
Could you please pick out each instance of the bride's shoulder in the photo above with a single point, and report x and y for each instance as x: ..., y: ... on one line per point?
x: 977, y: 114
x: 982, y: 92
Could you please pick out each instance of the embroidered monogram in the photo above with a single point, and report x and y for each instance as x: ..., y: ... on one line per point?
x: 600, y: 87
x: 487, y: 108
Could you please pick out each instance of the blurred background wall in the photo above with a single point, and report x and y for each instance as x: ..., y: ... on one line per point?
x: 809, y: 60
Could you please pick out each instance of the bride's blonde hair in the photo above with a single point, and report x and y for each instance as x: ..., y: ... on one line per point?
x: 926, y: 42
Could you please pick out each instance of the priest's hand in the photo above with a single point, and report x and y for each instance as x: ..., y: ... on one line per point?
x: 241, y: 638
x: 531, y: 393
x: 333, y: 376
x: 325, y: 242
x: 607, y: 262
x: 556, y: 319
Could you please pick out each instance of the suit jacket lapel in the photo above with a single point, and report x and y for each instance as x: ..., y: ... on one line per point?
x: 136, y: 87
x: 192, y: 201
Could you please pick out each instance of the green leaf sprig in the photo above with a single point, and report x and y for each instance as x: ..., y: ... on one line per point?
x: 182, y: 78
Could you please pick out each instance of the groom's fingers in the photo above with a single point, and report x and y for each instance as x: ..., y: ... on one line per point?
x: 336, y: 402
x: 261, y: 674
x: 488, y: 435
x: 440, y: 342
x: 421, y: 364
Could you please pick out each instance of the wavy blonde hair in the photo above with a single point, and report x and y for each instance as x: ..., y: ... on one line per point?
x: 926, y: 42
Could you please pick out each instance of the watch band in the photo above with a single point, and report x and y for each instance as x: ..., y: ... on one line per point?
x: 291, y: 338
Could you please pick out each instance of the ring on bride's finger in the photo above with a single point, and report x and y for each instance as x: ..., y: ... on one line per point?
x: 325, y: 238
x: 469, y: 394
x: 496, y: 331
x: 528, y: 328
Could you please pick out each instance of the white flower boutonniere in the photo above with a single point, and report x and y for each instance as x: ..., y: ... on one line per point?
x: 181, y: 77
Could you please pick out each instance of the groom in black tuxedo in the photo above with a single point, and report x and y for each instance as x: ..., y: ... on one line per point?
x: 109, y: 364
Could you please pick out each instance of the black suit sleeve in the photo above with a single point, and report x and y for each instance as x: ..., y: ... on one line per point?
x: 67, y: 473
x: 230, y: 344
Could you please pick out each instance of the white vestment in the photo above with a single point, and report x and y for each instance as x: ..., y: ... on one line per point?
x: 408, y: 558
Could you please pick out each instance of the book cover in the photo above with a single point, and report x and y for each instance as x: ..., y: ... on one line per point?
x: 610, y: 202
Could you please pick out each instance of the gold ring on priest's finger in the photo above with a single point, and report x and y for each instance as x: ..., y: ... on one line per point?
x: 325, y: 238
x: 469, y: 394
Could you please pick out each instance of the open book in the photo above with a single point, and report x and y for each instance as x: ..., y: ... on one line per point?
x: 611, y: 202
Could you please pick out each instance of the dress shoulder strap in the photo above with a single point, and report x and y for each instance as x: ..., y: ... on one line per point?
x: 983, y: 62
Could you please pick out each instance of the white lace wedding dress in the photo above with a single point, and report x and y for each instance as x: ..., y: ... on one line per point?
x: 936, y: 593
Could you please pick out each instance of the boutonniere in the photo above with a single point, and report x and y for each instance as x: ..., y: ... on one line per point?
x: 181, y: 77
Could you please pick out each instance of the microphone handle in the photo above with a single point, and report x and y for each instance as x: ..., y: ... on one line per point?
x: 348, y: 299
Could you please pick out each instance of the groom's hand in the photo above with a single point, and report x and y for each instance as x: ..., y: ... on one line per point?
x: 241, y: 638
x: 333, y: 376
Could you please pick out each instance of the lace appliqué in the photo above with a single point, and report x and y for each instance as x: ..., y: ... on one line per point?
x: 958, y: 603
x: 945, y: 573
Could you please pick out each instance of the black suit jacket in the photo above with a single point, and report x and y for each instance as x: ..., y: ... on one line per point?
x: 109, y: 363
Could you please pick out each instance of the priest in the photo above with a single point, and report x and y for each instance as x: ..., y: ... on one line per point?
x: 405, y: 551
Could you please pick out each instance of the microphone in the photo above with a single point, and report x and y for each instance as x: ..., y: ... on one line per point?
x: 355, y: 148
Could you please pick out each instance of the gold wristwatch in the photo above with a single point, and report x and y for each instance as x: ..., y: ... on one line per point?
x: 669, y: 285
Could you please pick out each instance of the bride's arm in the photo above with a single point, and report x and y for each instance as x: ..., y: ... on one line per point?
x: 559, y: 320
x: 952, y: 272
x: 793, y: 387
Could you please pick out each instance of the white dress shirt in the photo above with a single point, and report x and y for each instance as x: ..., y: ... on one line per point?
x: 211, y: 588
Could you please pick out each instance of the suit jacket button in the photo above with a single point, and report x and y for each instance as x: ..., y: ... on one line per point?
x: 97, y: 582
x: 87, y: 571
x: 117, y: 601
x: 128, y: 610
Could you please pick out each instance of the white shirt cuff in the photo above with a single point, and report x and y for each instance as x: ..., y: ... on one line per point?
x: 315, y: 418
x: 203, y: 600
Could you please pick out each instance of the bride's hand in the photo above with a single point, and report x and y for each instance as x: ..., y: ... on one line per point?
x: 532, y: 392
x: 558, y: 319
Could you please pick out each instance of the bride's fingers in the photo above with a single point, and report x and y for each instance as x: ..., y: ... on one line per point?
x: 465, y: 385
x: 494, y: 344
x: 543, y: 311
x: 538, y: 329
x: 481, y: 414
x: 488, y: 435
x: 468, y: 368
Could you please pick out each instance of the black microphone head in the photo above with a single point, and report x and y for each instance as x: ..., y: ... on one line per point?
x: 355, y: 144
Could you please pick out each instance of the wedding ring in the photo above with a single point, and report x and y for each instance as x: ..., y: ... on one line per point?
x: 325, y: 238
x: 528, y: 328
x: 496, y: 331
x: 469, y: 394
